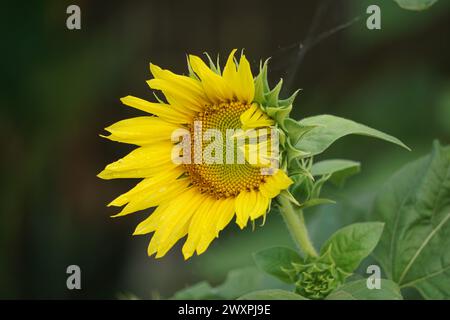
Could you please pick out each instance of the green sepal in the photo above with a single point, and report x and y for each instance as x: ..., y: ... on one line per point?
x: 261, y: 84
x: 272, y: 97
x: 287, y: 195
x: 298, y: 174
x: 191, y: 72
x: 279, y: 114
x: 290, y: 100
x: 293, y: 153
x: 295, y: 129
x: 213, y: 66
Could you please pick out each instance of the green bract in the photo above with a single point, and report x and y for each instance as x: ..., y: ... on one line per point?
x: 301, y: 140
x: 314, y: 277
x: 317, y: 277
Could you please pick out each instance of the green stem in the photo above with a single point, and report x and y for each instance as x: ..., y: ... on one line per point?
x: 296, y: 225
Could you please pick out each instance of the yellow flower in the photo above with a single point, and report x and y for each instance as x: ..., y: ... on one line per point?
x: 193, y: 199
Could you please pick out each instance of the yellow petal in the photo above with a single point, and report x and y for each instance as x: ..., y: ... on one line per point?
x: 245, y: 203
x: 142, y: 162
x: 239, y: 78
x: 254, y: 117
x: 179, y: 97
x: 226, y: 212
x: 282, y: 180
x: 151, y: 223
x: 200, y: 223
x: 215, y: 87
x: 188, y: 91
x: 141, y: 130
x: 274, y: 184
x: 182, y: 106
x: 175, y: 220
x: 259, y: 154
x: 154, y: 197
x: 262, y: 204
x: 230, y: 74
x: 230, y: 71
x: 215, y: 222
x: 148, y: 184
x: 183, y: 82
x: 170, y: 242
x: 245, y: 116
x: 161, y: 110
x: 246, y: 89
x: 269, y: 190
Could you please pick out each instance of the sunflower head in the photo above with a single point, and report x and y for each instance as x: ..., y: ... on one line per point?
x: 224, y: 125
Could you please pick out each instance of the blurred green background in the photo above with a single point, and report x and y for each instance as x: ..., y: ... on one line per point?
x: 60, y: 88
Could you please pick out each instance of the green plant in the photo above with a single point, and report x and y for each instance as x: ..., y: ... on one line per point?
x: 411, y: 241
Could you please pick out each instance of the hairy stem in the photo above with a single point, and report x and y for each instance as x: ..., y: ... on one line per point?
x: 296, y: 225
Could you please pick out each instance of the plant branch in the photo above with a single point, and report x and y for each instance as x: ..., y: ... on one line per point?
x: 304, y: 46
x: 310, y: 42
x: 296, y: 225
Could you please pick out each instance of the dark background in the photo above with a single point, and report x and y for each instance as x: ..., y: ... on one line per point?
x: 60, y: 88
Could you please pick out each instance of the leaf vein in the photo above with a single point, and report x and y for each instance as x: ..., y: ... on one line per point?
x: 422, y: 246
x: 429, y: 276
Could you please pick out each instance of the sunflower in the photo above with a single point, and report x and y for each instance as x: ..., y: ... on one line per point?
x: 197, y: 199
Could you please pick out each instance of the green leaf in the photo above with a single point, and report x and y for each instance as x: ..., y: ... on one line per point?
x: 351, y: 244
x: 416, y: 5
x: 339, y: 170
x: 201, y: 290
x: 415, y: 204
x: 237, y: 283
x: 357, y: 290
x: 276, y: 259
x: 315, y: 202
x: 331, y: 128
x: 272, y: 294
x: 240, y: 282
x: 127, y: 296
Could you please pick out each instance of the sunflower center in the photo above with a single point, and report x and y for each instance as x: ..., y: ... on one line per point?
x: 224, y: 179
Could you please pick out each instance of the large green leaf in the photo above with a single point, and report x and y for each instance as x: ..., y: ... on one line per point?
x: 415, y: 204
x: 416, y: 5
x: 272, y: 294
x: 338, y: 169
x: 327, y: 129
x: 201, y: 290
x: 274, y: 260
x: 358, y: 290
x: 240, y: 282
x: 237, y: 283
x: 351, y: 244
